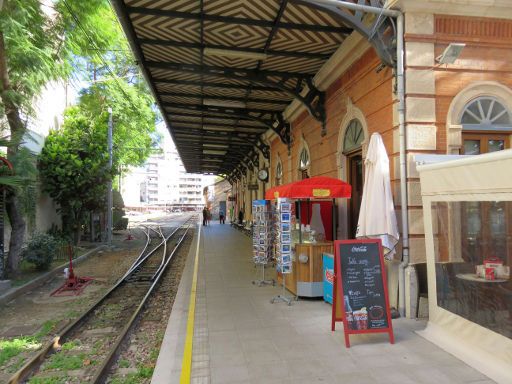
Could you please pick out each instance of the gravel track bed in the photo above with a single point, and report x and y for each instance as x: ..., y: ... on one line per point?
x: 38, y: 315
x: 140, y: 352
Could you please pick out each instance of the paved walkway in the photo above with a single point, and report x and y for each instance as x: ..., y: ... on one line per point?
x: 240, y: 337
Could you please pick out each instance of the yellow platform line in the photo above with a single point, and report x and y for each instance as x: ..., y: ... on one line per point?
x: 186, y: 365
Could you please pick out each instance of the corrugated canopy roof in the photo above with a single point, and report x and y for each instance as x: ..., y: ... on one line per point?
x: 223, y: 71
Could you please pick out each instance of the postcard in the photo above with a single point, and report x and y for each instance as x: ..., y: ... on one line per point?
x: 286, y: 207
x: 285, y: 217
x: 286, y: 259
x: 285, y: 248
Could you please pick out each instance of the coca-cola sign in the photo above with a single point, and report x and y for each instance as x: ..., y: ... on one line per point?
x: 329, y: 275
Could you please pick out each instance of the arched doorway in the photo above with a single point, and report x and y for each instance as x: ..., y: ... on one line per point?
x: 352, y: 149
x: 486, y: 127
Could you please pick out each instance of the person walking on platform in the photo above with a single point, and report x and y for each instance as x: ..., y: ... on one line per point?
x: 221, y: 217
x: 205, y: 216
x: 240, y: 216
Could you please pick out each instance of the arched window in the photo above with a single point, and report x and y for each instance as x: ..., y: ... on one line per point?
x: 304, y: 162
x: 486, y: 125
x: 279, y: 173
x: 486, y: 114
x: 354, y: 136
x: 304, y: 159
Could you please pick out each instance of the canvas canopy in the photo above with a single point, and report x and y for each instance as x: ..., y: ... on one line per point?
x: 314, y: 187
x: 481, y: 179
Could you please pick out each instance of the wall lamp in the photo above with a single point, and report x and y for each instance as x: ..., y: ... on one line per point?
x: 451, y: 53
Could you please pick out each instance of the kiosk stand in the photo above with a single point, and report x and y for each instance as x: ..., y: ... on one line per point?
x: 313, y: 200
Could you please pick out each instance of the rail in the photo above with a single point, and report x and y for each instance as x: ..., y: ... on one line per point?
x: 154, y: 278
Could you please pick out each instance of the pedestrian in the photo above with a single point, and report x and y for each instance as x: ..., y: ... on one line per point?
x: 205, y: 216
x: 209, y: 217
x: 221, y: 217
x: 240, y: 217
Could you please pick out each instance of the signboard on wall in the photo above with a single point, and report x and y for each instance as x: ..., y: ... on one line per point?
x: 252, y: 187
x: 361, y: 288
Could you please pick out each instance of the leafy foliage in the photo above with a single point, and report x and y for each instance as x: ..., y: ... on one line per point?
x: 73, y: 166
x: 40, y: 250
x: 133, y: 118
x: 62, y: 39
x: 118, y: 219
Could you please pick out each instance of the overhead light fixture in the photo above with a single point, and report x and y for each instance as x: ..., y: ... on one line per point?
x: 234, y: 53
x: 215, y: 145
x: 451, y: 53
x: 224, y: 103
x: 213, y: 152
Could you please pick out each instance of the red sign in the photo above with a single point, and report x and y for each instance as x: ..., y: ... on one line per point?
x: 360, y: 287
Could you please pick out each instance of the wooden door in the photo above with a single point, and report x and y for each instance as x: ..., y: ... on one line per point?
x: 485, y: 231
x: 355, y: 179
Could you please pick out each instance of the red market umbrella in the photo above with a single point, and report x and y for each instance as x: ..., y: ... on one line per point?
x: 315, y: 187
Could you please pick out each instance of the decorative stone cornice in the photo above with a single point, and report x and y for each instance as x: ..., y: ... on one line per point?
x: 476, y: 8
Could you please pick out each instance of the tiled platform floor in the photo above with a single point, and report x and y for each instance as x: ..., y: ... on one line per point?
x: 240, y: 337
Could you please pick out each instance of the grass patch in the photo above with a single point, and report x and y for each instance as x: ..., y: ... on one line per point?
x: 70, y: 345
x: 124, y: 363
x: 97, y: 345
x: 64, y: 362
x: 12, y: 348
x: 47, y: 327
x: 154, y: 354
x: 143, y: 373
x: 132, y: 378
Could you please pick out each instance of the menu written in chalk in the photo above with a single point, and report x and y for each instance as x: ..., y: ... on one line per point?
x: 364, y: 295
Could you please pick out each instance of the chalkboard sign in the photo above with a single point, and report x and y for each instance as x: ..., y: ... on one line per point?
x: 362, y: 288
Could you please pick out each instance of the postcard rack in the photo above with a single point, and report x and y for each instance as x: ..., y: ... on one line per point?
x: 283, y: 223
x: 262, y: 240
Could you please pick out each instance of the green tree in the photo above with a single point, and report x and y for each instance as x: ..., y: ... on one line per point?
x: 40, y: 43
x: 73, y: 167
x: 133, y: 117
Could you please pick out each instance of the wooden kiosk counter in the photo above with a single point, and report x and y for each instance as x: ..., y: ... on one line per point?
x: 306, y: 278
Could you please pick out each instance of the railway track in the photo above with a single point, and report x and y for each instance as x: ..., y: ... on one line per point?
x: 86, y: 349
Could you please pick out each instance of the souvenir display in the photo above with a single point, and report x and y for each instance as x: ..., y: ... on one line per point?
x: 262, y: 240
x: 283, y: 235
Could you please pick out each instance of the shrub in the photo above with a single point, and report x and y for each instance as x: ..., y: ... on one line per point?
x: 40, y: 250
x: 121, y: 224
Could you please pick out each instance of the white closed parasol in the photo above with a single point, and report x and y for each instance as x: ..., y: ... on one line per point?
x: 377, y: 217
